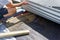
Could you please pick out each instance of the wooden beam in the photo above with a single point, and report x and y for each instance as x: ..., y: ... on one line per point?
x: 16, y: 33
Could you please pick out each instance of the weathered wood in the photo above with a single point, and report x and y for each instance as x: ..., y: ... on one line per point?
x: 13, y: 20
x: 33, y: 35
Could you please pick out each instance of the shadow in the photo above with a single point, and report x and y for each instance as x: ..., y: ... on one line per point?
x: 47, y: 28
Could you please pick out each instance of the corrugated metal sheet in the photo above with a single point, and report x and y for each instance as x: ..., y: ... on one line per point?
x: 46, y: 12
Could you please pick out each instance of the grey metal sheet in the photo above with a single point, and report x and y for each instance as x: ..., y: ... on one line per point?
x: 48, y: 3
x: 46, y: 12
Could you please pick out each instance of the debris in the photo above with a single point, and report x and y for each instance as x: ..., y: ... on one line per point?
x: 13, y: 20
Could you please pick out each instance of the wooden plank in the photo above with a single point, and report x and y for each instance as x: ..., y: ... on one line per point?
x: 15, y: 33
x: 13, y: 20
x: 33, y: 35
